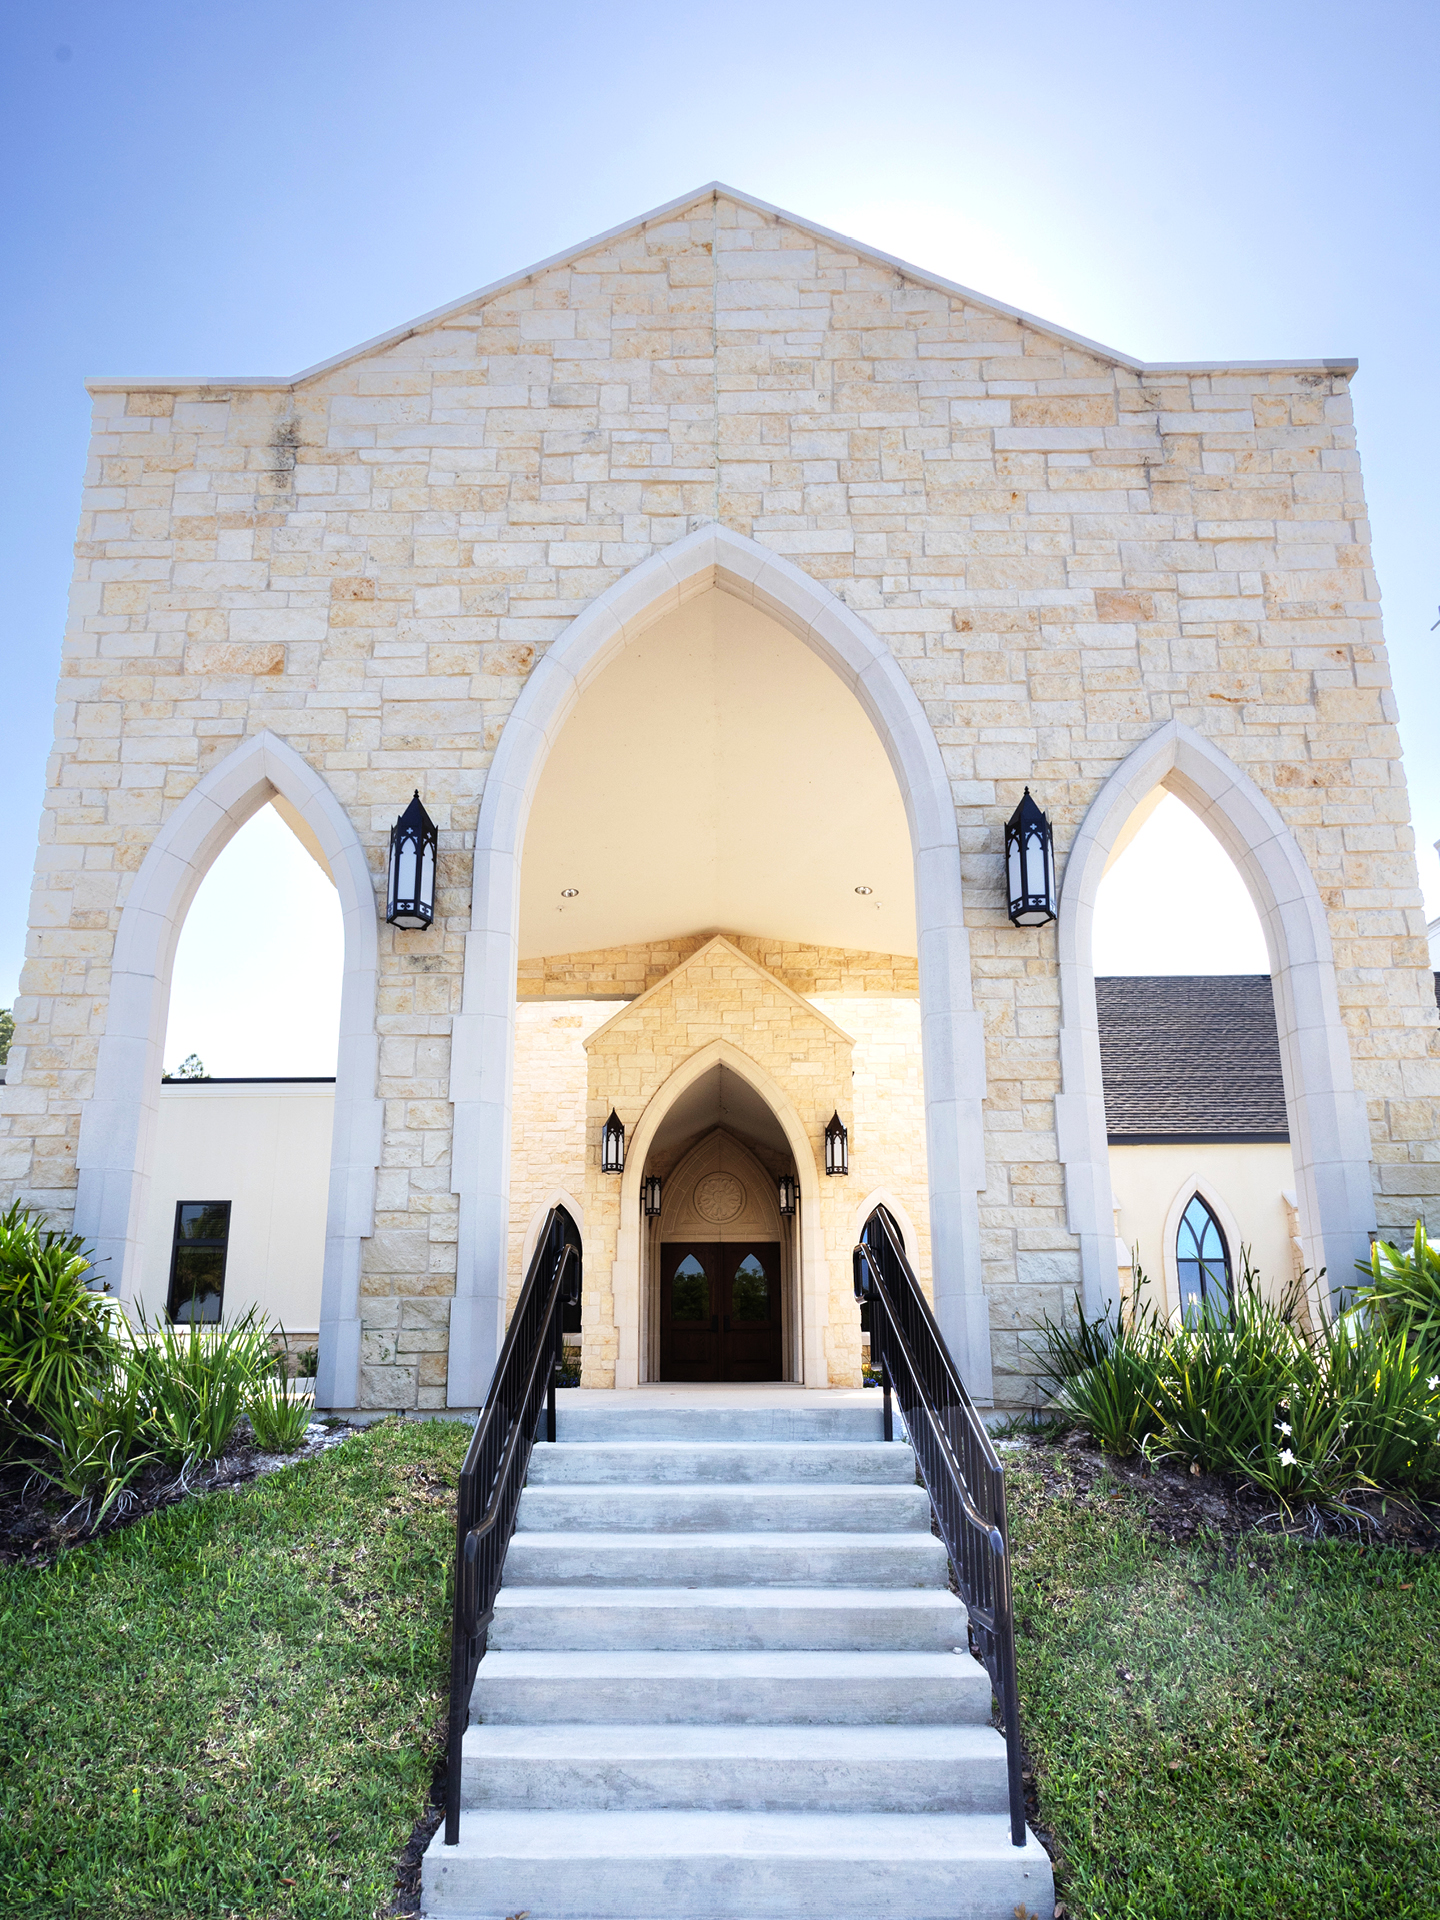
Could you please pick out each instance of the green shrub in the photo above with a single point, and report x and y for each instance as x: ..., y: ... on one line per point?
x: 57, y: 1331
x: 1388, y: 1400
x: 92, y: 1446
x: 1245, y: 1391
x: 279, y: 1416
x: 1114, y: 1399
x: 197, y: 1380
x: 1223, y: 1376
x: 1404, y: 1290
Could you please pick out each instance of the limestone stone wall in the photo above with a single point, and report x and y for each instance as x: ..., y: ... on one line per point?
x: 1061, y: 550
x: 624, y: 972
x: 547, y: 1131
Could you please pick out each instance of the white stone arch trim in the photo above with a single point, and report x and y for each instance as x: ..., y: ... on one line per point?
x: 952, y: 1040
x: 883, y: 1197
x: 118, y: 1122
x: 1197, y: 1182
x: 812, y: 1291
x: 556, y: 1197
x: 1329, y: 1127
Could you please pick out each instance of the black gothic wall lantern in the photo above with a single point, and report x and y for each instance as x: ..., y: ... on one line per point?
x: 837, y: 1146
x: 1030, y: 865
x: 612, y: 1145
x: 650, y: 1194
x: 410, y: 900
x: 789, y: 1195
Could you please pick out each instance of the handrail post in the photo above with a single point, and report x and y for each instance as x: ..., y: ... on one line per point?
x: 889, y: 1410
x: 550, y: 1389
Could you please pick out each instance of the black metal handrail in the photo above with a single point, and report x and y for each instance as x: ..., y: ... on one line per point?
x: 493, y: 1476
x: 958, y: 1463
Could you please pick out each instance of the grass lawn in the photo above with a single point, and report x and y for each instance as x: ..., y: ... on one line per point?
x: 1214, y: 1736
x: 234, y: 1707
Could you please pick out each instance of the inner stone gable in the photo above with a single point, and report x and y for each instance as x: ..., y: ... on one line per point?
x: 1061, y: 552
x: 719, y: 994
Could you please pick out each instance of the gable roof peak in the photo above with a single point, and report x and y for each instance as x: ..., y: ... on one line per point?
x: 716, y: 190
x: 719, y: 946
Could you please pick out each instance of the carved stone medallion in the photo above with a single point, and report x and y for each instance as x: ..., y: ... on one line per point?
x: 719, y: 1197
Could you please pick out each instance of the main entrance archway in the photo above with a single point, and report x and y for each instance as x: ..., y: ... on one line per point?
x: 951, y: 1038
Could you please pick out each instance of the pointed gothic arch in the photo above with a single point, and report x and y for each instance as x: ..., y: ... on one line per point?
x: 811, y: 1290
x: 1329, y: 1127
x: 118, y: 1121
x: 952, y: 1040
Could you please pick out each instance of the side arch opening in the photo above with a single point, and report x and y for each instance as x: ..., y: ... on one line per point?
x: 1325, y: 1117
x: 119, y: 1123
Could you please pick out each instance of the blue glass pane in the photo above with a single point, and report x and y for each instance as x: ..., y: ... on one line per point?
x: 1202, y: 1259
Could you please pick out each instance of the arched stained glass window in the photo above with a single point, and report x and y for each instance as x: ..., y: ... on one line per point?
x: 1204, y: 1261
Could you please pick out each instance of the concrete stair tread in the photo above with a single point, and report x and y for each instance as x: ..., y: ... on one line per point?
x: 605, y: 1663
x: 581, y: 1831
x: 918, y: 1599
x: 647, y: 1740
x: 641, y: 1865
x: 592, y: 1558
x: 728, y: 1507
x: 723, y: 1463
x: 734, y: 1540
x: 796, y: 1417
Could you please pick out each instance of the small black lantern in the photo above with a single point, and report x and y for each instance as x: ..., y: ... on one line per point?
x: 649, y: 1193
x: 612, y: 1145
x: 413, y: 843
x: 788, y: 1195
x: 837, y: 1146
x: 1030, y: 865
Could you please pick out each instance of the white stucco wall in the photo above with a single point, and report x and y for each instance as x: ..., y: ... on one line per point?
x: 265, y: 1147
x: 1244, y: 1182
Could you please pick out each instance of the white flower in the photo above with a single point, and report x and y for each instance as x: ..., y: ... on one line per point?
x: 1434, y: 1382
x: 1287, y: 1458
x: 1285, y: 1428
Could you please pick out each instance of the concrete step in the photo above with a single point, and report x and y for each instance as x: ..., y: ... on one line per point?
x: 726, y: 1560
x: 862, y: 1769
x: 716, y: 1619
x: 718, y: 1866
x: 753, y: 1689
x: 724, y: 1509
x: 754, y: 1419
x: 681, y: 1462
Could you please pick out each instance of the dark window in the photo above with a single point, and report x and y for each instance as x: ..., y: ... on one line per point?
x: 1204, y: 1261
x: 197, y: 1260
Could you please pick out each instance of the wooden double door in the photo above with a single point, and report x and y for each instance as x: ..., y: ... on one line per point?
x: 720, y: 1310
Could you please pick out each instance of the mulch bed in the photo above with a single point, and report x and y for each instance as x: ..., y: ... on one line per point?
x: 1179, y: 1505
x: 35, y: 1529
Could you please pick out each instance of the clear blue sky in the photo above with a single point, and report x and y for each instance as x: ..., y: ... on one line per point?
x: 247, y: 188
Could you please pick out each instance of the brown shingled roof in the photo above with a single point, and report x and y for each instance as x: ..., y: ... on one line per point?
x: 1191, y: 1057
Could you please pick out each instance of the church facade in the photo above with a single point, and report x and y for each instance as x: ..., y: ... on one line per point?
x: 721, y: 586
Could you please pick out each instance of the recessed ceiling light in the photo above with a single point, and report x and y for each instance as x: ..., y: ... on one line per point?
x: 864, y: 889
x: 569, y: 893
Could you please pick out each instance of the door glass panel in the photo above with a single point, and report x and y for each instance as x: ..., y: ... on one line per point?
x: 690, y: 1291
x: 750, y: 1291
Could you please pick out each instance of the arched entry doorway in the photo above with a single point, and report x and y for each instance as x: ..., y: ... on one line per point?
x: 719, y: 1269
x: 714, y: 558
x: 719, y: 1261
